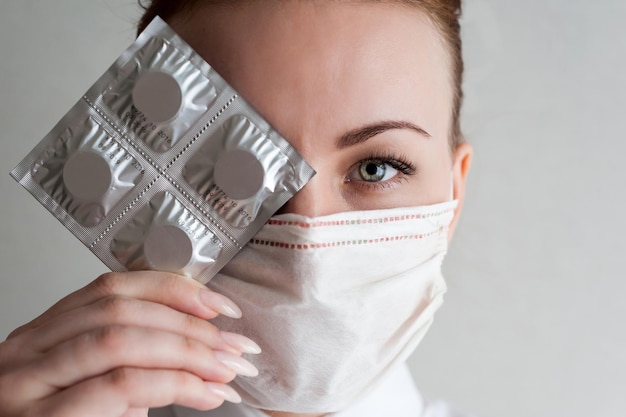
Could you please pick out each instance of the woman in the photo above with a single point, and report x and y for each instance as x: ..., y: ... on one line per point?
x: 369, y: 93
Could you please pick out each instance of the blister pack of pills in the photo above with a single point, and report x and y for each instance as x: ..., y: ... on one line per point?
x: 161, y: 164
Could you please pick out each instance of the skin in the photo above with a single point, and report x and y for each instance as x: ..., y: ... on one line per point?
x: 322, y: 73
x: 321, y: 70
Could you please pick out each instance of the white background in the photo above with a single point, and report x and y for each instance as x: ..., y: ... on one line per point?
x: 534, y: 319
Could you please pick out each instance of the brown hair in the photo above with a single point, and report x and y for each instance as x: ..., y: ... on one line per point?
x: 445, y: 14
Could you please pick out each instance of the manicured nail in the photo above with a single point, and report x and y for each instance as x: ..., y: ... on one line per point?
x: 219, y: 303
x: 237, y: 364
x: 241, y: 342
x: 224, y: 391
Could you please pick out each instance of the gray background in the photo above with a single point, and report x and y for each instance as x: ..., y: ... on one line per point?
x: 533, y: 323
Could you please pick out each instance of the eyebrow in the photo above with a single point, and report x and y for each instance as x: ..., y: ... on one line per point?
x: 361, y: 134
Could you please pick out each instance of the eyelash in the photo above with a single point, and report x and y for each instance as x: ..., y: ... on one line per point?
x: 397, y: 162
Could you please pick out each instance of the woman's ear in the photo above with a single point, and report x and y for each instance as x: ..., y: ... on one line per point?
x: 461, y: 161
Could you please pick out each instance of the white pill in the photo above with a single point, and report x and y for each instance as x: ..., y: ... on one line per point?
x: 167, y: 248
x: 87, y: 176
x: 239, y: 174
x: 157, y: 95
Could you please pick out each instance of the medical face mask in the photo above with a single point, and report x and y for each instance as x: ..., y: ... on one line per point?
x: 335, y: 301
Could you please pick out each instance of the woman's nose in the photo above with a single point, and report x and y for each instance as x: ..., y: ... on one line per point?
x: 313, y: 200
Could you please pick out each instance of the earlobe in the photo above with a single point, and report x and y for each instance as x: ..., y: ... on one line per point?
x: 461, y: 163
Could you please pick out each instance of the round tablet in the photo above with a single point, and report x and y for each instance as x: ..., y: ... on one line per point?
x: 167, y: 248
x: 87, y: 176
x: 239, y: 174
x: 157, y: 95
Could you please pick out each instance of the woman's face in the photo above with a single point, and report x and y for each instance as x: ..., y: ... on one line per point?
x: 361, y: 89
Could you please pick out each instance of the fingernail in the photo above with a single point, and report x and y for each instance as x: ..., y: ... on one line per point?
x: 224, y: 391
x: 241, y: 342
x: 237, y: 364
x: 219, y: 303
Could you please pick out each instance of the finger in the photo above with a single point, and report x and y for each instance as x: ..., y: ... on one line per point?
x: 124, y: 311
x: 112, y: 394
x: 176, y: 291
x: 136, y: 412
x: 102, y: 350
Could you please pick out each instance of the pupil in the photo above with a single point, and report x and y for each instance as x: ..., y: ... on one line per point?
x: 371, y: 169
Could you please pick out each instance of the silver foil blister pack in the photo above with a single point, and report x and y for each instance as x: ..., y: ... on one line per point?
x: 161, y: 164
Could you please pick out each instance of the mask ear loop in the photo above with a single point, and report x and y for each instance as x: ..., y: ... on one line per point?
x: 451, y: 198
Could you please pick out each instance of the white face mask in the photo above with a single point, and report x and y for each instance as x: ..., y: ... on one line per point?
x: 334, y: 301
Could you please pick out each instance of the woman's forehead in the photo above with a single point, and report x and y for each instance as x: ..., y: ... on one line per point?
x: 330, y: 66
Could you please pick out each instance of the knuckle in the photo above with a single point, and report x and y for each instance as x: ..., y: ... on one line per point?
x: 193, y: 348
x: 121, y: 379
x: 189, y: 344
x: 178, y: 285
x: 181, y: 379
x: 189, y: 324
x: 185, y: 382
x: 110, y: 339
x: 198, y: 328
x: 171, y: 284
x: 115, y: 307
x: 108, y: 283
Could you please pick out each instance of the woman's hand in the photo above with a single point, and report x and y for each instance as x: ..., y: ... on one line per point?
x: 122, y: 344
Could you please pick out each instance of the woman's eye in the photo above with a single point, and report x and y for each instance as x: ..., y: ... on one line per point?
x: 373, y: 171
